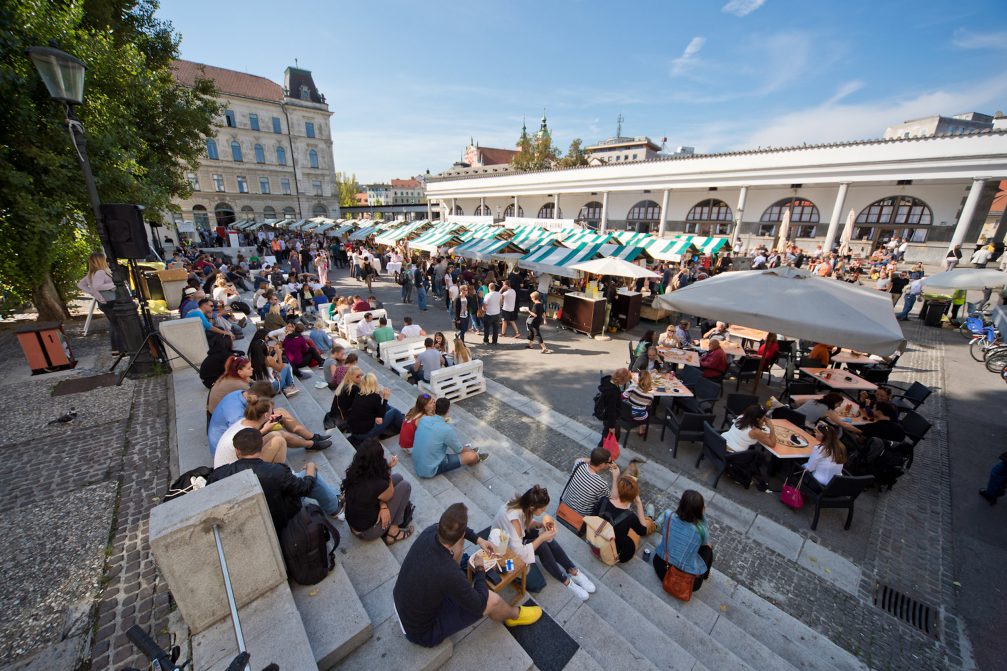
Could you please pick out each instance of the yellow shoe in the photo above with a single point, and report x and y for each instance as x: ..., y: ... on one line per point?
x: 526, y: 615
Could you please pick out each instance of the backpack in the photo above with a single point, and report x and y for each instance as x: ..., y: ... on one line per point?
x: 601, y: 536
x: 305, y: 545
x: 599, y: 407
x: 188, y: 482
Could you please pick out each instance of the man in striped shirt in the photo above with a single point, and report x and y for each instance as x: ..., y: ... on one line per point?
x: 593, y: 479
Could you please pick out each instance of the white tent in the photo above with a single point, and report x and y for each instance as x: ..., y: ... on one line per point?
x: 794, y: 303
x: 614, y: 266
x: 966, y: 278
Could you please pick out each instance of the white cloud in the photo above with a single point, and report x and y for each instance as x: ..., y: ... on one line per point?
x: 845, y: 90
x: 966, y: 39
x: 688, y: 58
x: 742, y: 7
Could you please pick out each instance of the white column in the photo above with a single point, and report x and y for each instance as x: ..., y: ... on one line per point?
x: 430, y: 212
x: 739, y: 215
x: 482, y: 204
x: 664, y: 213
x: 604, y: 212
x: 837, y: 215
x: 555, y: 214
x: 968, y: 210
x: 452, y: 206
x: 517, y: 212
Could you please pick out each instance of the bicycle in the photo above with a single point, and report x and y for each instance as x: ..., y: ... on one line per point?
x: 974, y: 323
x: 982, y: 343
x: 161, y: 660
x: 996, y: 359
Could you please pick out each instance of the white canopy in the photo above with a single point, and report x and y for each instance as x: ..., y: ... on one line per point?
x: 794, y: 303
x: 611, y: 265
x: 966, y: 278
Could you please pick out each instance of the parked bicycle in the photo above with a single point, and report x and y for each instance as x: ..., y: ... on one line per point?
x: 984, y: 342
x: 161, y: 660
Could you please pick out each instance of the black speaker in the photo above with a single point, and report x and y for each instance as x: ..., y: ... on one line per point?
x: 126, y: 232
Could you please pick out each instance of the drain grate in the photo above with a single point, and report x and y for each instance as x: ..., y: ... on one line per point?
x: 918, y: 615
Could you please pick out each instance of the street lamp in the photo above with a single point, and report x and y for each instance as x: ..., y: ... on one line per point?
x: 63, y: 76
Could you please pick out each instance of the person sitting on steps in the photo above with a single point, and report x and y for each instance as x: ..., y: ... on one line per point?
x: 685, y: 542
x: 593, y: 479
x: 377, y: 500
x: 629, y: 529
x: 231, y: 409
x: 436, y: 447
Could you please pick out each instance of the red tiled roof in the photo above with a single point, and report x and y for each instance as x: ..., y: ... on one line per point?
x: 228, y: 81
x: 1000, y: 200
x: 494, y: 156
x: 406, y: 183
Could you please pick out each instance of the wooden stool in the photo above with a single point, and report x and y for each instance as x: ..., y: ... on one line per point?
x: 517, y: 578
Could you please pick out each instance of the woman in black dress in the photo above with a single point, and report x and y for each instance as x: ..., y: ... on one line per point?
x: 377, y: 500
x: 536, y: 317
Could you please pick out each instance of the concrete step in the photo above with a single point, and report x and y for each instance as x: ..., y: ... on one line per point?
x: 334, y: 619
x: 488, y: 645
x: 389, y: 650
x: 190, y: 420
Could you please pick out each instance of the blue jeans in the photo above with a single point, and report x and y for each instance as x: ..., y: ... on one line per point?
x: 421, y: 298
x: 407, y: 293
x: 392, y: 421
x: 285, y: 378
x: 326, y: 495
x: 998, y: 479
x: 910, y: 301
x: 450, y: 462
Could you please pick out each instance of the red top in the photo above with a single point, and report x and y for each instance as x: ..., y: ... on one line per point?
x: 296, y: 348
x: 407, y: 433
x: 769, y: 351
x: 361, y: 306
x: 714, y: 363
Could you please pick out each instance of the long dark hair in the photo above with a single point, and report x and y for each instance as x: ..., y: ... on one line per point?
x: 368, y: 464
x: 533, y: 499
x: 691, y: 506
x: 750, y: 416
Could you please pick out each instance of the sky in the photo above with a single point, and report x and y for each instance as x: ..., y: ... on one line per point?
x: 409, y: 83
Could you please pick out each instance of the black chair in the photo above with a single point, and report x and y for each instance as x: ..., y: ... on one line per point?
x: 841, y: 492
x: 632, y: 352
x: 735, y: 405
x: 707, y: 393
x: 772, y: 361
x: 916, y: 428
x: 875, y: 375
x: 690, y: 375
x: 629, y: 425
x: 714, y: 447
x: 808, y: 362
x: 745, y: 368
x: 688, y: 427
x: 913, y: 397
x: 796, y: 418
x: 798, y: 389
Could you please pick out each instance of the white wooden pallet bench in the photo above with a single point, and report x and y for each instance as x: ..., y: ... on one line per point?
x: 401, y: 356
x: 348, y: 325
x: 456, y: 382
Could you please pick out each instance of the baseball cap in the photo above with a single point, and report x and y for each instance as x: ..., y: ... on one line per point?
x: 189, y: 291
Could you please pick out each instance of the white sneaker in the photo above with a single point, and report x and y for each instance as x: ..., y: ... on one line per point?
x: 321, y: 384
x: 577, y: 590
x: 583, y: 581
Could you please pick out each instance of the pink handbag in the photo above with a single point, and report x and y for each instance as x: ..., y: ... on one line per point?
x: 791, y: 496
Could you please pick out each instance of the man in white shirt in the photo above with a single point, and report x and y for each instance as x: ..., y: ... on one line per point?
x: 509, y: 309
x: 492, y: 302
x: 366, y: 326
x: 902, y: 250
x: 912, y: 294
x: 410, y: 330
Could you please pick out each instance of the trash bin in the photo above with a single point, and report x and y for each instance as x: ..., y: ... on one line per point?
x: 935, y: 310
x: 45, y: 347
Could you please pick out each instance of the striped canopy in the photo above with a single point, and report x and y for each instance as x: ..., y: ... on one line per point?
x: 624, y: 252
x: 364, y: 233
x: 435, y: 238
x: 482, y: 233
x: 557, y: 260
x: 532, y: 237
x: 396, y: 234
x: 345, y: 228
x: 481, y: 250
x: 669, y: 250
x: 632, y: 237
x: 585, y: 237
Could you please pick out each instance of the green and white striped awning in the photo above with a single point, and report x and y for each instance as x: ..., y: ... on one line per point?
x: 585, y: 237
x: 364, y: 233
x: 632, y: 237
x: 435, y: 238
x: 532, y: 236
x: 669, y: 250
x: 624, y: 252
x: 482, y: 233
x: 482, y: 250
x: 396, y: 234
x: 557, y: 260
x: 708, y: 245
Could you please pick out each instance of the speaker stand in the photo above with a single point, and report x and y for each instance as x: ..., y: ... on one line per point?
x: 154, y: 339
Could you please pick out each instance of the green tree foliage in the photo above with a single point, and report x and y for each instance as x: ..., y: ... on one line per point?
x: 347, y: 189
x: 535, y: 152
x: 525, y: 157
x: 574, y: 155
x: 144, y: 131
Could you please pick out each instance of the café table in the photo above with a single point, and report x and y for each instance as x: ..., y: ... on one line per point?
x: 849, y: 410
x: 839, y: 379
x: 666, y: 384
x: 730, y: 348
x: 518, y: 578
x: 686, y: 357
x: 784, y: 448
x: 746, y: 333
x: 849, y: 356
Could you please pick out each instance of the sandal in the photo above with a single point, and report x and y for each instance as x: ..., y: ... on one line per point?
x: 401, y: 536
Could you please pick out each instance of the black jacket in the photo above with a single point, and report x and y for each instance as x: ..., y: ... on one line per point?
x: 473, y: 306
x: 283, y: 489
x: 611, y: 399
x: 364, y: 410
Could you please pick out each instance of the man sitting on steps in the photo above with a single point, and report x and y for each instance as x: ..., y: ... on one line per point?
x: 434, y: 438
x: 231, y: 409
x: 592, y: 480
x: 433, y: 598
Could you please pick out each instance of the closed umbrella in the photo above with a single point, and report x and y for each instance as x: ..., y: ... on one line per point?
x: 794, y: 303
x: 616, y: 267
x: 781, y: 246
x: 966, y: 278
x: 844, y: 241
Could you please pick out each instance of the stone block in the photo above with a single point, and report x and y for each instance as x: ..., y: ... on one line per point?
x: 183, y: 545
x: 272, y: 630
x: 190, y: 420
x: 777, y: 537
x: 188, y: 337
x: 333, y: 617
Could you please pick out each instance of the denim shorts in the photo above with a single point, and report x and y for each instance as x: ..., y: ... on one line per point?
x: 450, y: 463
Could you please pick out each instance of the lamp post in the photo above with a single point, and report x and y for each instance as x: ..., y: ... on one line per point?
x: 63, y: 76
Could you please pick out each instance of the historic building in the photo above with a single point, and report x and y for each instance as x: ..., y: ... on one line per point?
x: 271, y: 156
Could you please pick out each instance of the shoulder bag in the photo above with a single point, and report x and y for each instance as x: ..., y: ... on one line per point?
x: 791, y: 496
x: 566, y: 515
x: 676, y: 582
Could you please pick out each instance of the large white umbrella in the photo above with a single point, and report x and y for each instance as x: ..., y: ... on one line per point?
x: 616, y: 267
x: 794, y: 303
x: 781, y: 246
x: 847, y: 237
x: 966, y: 278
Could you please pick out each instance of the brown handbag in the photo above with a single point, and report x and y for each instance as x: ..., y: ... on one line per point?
x: 676, y: 582
x: 566, y: 515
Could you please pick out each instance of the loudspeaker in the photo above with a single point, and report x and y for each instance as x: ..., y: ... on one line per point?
x: 126, y: 232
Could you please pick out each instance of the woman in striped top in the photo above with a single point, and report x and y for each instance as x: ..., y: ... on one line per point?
x: 640, y: 397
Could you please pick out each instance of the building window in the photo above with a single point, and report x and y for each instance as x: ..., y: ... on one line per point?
x: 260, y: 155
x: 804, y: 231
x: 313, y: 158
x: 218, y: 183
x: 319, y: 210
x: 548, y: 211
x: 281, y: 156
x: 767, y: 230
x: 193, y: 181
x: 229, y: 119
x: 483, y: 211
x: 634, y: 157
x: 309, y: 128
x: 247, y: 212
x: 459, y: 211
x: 253, y: 121
x: 268, y: 213
x: 285, y: 187
x: 263, y: 185
x: 509, y: 212
x: 709, y: 210
x: 645, y: 210
x: 590, y: 213
x: 236, y: 150
x: 276, y: 125
x: 289, y: 213
x: 224, y: 214
x: 316, y: 187
x: 242, y: 184
x: 801, y: 211
x: 896, y: 210
x: 200, y: 216
x: 211, y: 149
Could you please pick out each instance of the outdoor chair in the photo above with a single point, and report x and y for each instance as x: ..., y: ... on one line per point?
x: 706, y: 393
x: 629, y: 425
x: 798, y: 389
x: 916, y: 428
x: 735, y: 405
x: 913, y: 397
x: 715, y: 448
x: 796, y: 418
x: 690, y: 375
x: 808, y: 362
x: 745, y: 368
x: 875, y: 375
x: 632, y: 351
x: 841, y: 492
x: 768, y: 367
x: 688, y: 427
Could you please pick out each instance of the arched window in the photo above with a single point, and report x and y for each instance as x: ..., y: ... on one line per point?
x: 709, y: 217
x: 459, y: 211
x: 319, y: 210
x: 590, y: 214
x: 483, y: 211
x: 509, y: 212
x: 236, y: 150
x: 211, y: 149
x: 643, y: 216
x: 902, y: 217
x: 281, y: 156
x: 224, y: 214
x: 260, y: 154
x: 803, y: 217
x: 268, y: 213
x: 289, y: 213
x: 247, y: 212
x: 548, y: 211
x: 313, y: 158
x: 200, y: 216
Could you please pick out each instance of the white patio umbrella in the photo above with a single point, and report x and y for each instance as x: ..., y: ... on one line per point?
x: 966, y: 278
x: 781, y: 246
x: 847, y: 237
x: 615, y: 267
x: 794, y: 303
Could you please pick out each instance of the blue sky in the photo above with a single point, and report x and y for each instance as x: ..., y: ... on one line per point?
x: 410, y: 82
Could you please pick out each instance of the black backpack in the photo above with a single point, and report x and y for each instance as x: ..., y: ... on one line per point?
x: 599, y: 407
x: 184, y: 484
x: 305, y: 545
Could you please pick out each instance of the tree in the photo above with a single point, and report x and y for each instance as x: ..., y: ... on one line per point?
x: 574, y: 155
x: 347, y: 189
x: 144, y: 132
x: 524, y: 159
